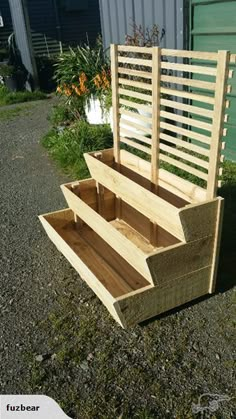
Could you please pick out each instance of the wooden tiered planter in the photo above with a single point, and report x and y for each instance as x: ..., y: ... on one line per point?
x: 144, y: 239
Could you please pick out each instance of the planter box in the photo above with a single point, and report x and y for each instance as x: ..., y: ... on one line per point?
x: 134, y: 277
x: 146, y: 239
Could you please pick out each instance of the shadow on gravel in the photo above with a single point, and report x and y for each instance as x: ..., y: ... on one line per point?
x: 226, y: 277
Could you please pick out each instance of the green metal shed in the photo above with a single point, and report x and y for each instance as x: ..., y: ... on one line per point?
x: 213, y: 27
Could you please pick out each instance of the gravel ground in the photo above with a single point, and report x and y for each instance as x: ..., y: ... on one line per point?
x: 29, y: 186
x: 56, y: 338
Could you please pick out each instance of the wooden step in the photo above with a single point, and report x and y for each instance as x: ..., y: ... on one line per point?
x: 104, y: 270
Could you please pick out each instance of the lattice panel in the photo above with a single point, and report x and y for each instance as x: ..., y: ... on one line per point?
x: 160, y: 107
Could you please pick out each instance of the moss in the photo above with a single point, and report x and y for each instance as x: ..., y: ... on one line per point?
x: 9, y: 114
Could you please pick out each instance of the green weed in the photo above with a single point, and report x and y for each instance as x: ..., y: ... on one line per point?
x: 68, y: 146
x: 10, y: 98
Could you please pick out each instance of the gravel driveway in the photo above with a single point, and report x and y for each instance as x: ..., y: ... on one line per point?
x: 57, y: 339
x: 29, y: 186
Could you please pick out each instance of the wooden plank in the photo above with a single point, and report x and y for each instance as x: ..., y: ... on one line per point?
x: 134, y: 105
x: 130, y: 233
x: 200, y: 55
x: 138, y: 84
x: 185, y: 144
x: 184, y: 120
x: 132, y: 134
x: 135, y: 61
x: 180, y: 259
x: 189, y: 157
x: 133, y: 48
x: 188, y: 68
x: 137, y: 95
x: 144, y: 201
x: 89, y: 268
x: 135, y: 145
x: 135, y: 126
x: 188, y: 82
x: 183, y: 166
x: 138, y: 306
x: 217, y: 240
x: 128, y: 278
x: 173, y: 183
x: 217, y: 127
x: 207, y: 113
x: 232, y: 59
x: 199, y: 220
x: 136, y: 116
x: 188, y: 95
x: 156, y: 58
x: 134, y: 256
x: 135, y: 73
x: 188, y: 133
x: 115, y: 102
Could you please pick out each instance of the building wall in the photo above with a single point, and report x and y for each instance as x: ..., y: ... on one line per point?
x: 56, y: 23
x: 213, y: 28
x: 117, y: 17
x: 6, y: 30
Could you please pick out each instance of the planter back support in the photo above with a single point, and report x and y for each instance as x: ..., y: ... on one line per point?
x: 141, y: 232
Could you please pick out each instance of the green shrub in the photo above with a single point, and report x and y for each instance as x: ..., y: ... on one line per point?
x: 61, y: 115
x: 67, y: 147
x: 9, y: 98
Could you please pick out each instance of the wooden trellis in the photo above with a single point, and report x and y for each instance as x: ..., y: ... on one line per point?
x: 146, y: 239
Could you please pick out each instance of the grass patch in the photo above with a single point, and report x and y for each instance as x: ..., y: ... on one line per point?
x: 67, y: 146
x: 10, y: 98
x: 8, y: 114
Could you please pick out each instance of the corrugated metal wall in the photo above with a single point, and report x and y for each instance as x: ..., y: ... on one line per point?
x: 6, y: 30
x: 117, y: 17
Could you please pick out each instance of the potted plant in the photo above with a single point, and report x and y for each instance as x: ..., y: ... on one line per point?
x: 7, y: 72
x: 83, y: 76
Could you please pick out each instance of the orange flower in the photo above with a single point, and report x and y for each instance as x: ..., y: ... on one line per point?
x: 68, y: 92
x: 77, y: 91
x: 59, y: 90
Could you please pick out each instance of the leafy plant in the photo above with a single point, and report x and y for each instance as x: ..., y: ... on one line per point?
x: 67, y: 147
x: 83, y: 73
x: 6, y: 70
x: 61, y: 115
x: 8, y: 98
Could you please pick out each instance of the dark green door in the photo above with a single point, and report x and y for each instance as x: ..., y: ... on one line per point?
x: 212, y: 28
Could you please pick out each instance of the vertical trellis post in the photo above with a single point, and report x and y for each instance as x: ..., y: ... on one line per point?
x: 115, y: 101
x: 156, y: 71
x: 115, y: 113
x: 218, y: 122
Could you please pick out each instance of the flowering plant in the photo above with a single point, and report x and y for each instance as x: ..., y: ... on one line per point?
x: 83, y: 73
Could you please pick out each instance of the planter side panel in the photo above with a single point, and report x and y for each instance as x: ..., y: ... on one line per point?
x: 180, y: 260
x: 140, y: 306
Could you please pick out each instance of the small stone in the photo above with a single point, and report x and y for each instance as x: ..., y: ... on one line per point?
x: 90, y: 357
x: 84, y: 366
x: 53, y: 357
x: 195, y: 346
x: 218, y: 357
x: 39, y: 358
